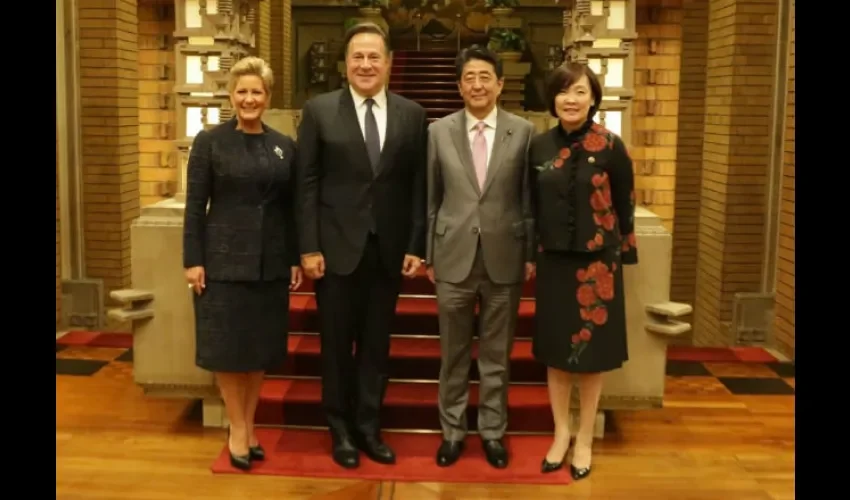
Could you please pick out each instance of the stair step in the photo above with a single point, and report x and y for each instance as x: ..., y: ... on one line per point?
x: 406, y: 82
x: 441, y: 103
x: 428, y: 92
x: 407, y: 405
x: 436, y: 76
x: 410, y: 359
x: 420, y: 285
x: 440, y: 112
x: 420, y: 59
x: 414, y: 316
x: 418, y: 87
x: 420, y: 67
x: 425, y: 53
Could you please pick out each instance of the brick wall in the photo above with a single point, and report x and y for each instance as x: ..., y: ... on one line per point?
x: 287, y: 43
x: 157, y: 178
x: 110, y: 135
x: 736, y: 153
x: 264, y: 25
x: 656, y: 105
x: 58, y: 239
x: 784, y: 320
x: 689, y: 152
x: 276, y: 52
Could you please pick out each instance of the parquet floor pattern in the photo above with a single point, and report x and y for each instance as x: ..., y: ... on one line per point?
x: 726, y: 432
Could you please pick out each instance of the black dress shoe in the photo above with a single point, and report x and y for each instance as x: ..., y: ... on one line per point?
x: 496, y: 454
x: 579, y: 473
x: 546, y: 467
x: 376, y: 449
x: 344, y: 453
x: 257, y: 453
x: 449, y: 452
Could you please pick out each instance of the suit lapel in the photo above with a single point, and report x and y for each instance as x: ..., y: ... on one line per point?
x: 500, y: 142
x: 351, y: 125
x: 460, y: 137
x: 394, y: 123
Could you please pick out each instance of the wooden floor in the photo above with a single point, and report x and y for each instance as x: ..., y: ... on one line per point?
x: 707, y: 443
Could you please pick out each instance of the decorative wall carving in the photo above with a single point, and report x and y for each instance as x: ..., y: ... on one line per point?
x: 600, y: 33
x: 210, y: 37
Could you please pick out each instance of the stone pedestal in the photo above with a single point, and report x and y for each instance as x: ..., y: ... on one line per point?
x: 160, y: 307
x: 650, y: 318
x: 284, y: 121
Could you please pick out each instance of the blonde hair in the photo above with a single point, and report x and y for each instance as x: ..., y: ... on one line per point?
x: 251, y: 66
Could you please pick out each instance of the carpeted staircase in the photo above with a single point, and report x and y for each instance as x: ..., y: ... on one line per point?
x: 291, y: 395
x: 427, y: 77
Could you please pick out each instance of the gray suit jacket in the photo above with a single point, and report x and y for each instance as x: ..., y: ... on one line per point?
x: 459, y: 212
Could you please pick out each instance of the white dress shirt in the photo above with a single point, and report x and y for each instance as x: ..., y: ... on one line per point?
x: 379, y: 109
x: 489, y: 130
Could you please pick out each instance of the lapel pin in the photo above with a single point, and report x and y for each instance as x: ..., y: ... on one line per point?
x: 591, y: 160
x: 278, y: 152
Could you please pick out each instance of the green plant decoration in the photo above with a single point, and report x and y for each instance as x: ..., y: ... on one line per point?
x: 506, y: 40
x: 501, y: 4
x: 350, y: 23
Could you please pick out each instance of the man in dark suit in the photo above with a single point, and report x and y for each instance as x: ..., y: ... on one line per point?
x: 361, y: 218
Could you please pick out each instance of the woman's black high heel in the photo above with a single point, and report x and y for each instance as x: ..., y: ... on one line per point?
x: 257, y: 453
x: 579, y: 473
x: 546, y: 467
x: 241, y: 462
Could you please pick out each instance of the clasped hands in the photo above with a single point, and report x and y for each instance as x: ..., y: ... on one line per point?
x: 314, y: 265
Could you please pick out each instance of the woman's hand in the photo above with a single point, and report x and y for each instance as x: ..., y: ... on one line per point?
x: 196, y: 278
x: 296, y: 279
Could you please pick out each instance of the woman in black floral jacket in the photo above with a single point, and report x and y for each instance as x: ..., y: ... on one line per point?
x: 583, y: 201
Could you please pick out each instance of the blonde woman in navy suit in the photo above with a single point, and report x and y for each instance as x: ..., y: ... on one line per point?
x: 241, y: 255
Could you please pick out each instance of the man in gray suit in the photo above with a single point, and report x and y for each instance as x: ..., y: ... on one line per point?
x: 479, y: 248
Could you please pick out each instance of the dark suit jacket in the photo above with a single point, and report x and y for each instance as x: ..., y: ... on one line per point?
x: 249, y: 232
x: 339, y: 199
x: 583, y: 191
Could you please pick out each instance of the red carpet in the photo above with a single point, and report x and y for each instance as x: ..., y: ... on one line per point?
x: 97, y: 339
x: 306, y: 454
x: 428, y: 78
x: 720, y: 354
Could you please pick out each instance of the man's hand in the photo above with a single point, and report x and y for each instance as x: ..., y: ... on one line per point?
x: 430, y: 272
x: 530, y: 270
x: 297, y: 277
x: 411, y: 265
x: 313, y: 265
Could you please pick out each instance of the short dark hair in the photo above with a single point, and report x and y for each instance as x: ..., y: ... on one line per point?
x: 365, y: 27
x: 482, y: 54
x: 564, y: 76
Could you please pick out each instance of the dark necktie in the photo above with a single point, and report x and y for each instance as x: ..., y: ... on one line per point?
x: 373, y: 140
